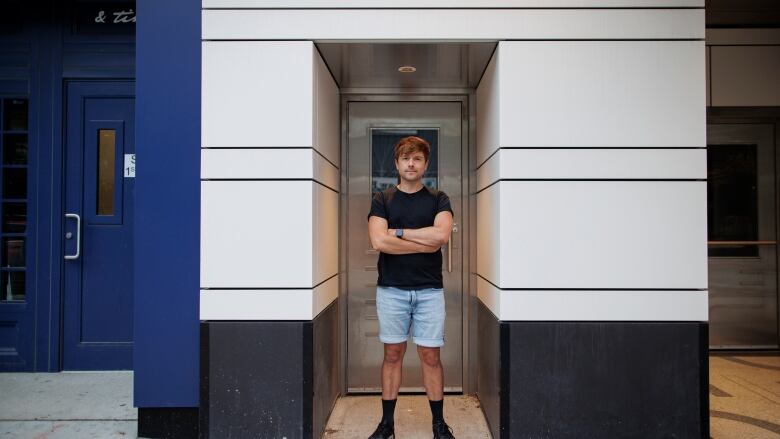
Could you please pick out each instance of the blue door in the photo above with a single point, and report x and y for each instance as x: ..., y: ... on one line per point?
x: 98, y: 226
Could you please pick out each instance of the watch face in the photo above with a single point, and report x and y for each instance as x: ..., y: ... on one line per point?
x: 399, y: 232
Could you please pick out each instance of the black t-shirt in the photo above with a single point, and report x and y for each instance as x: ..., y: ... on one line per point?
x: 409, y: 211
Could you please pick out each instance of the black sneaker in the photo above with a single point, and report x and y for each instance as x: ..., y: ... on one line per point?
x: 442, y: 431
x: 383, y: 431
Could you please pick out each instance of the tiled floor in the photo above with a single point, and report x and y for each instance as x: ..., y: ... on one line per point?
x: 744, y: 397
x: 357, y: 417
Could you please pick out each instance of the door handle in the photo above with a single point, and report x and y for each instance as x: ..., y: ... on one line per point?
x: 78, y: 236
x: 449, y: 248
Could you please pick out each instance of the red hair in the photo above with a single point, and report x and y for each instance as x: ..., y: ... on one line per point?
x: 411, y: 144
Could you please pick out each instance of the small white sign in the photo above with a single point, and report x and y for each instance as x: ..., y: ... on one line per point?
x: 129, y: 165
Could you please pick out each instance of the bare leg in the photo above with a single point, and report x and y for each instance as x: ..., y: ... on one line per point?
x: 432, y: 372
x: 391, y: 369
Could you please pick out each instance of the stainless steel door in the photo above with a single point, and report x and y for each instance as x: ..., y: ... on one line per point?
x: 372, y: 130
x: 741, y: 192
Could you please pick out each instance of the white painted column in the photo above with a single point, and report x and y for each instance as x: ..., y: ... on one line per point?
x: 592, y: 181
x: 269, y: 190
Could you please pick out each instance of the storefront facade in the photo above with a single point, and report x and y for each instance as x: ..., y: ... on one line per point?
x: 232, y: 272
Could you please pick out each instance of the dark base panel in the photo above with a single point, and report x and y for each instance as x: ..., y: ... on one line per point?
x: 604, y: 379
x: 261, y: 379
x: 489, y: 368
x: 168, y: 423
x: 256, y: 380
x: 326, y: 356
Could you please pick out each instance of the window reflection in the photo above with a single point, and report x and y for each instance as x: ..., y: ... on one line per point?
x: 732, y: 198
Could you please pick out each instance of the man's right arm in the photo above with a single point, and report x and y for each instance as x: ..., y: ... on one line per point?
x: 380, y: 240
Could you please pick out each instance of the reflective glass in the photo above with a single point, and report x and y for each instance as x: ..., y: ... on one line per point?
x: 106, y: 171
x: 15, y: 149
x: 15, y: 115
x: 13, y: 252
x: 14, y: 217
x: 14, y: 183
x: 12, y: 285
x: 732, y: 198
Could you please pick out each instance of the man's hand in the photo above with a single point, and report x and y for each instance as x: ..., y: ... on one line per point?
x: 437, y: 235
x: 385, y: 242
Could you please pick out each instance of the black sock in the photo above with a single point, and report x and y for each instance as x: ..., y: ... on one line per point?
x: 437, y: 410
x: 388, y: 409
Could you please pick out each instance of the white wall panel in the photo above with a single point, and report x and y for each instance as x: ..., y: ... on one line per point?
x: 488, y: 98
x: 489, y: 233
x: 325, y: 172
x: 257, y: 93
x: 490, y: 296
x: 604, y: 163
x: 603, y: 234
x: 324, y: 295
x: 256, y: 234
x: 256, y: 304
x: 326, y: 233
x: 604, y: 305
x: 326, y: 111
x: 602, y: 93
x: 745, y: 75
x: 390, y: 4
x: 451, y: 24
x: 490, y: 171
x: 593, y: 163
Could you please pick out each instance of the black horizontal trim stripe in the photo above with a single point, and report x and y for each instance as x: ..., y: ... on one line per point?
x: 621, y: 148
x: 326, y: 159
x: 588, y: 289
x: 268, y: 288
x: 271, y: 179
x: 589, y: 179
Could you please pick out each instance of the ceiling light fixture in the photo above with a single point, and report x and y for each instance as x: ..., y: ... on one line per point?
x: 407, y: 69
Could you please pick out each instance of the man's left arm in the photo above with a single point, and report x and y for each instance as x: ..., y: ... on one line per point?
x: 436, y: 235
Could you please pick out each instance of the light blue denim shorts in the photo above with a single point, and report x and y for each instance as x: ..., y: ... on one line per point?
x: 423, y: 310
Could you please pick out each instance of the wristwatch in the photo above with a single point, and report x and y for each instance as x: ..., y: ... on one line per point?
x: 399, y: 233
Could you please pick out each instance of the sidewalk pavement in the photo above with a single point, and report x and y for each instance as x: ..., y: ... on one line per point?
x: 67, y: 405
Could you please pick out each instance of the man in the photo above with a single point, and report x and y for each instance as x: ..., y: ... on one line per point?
x: 409, y: 224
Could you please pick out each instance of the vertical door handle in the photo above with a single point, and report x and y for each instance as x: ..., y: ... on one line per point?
x: 449, y: 248
x: 78, y: 236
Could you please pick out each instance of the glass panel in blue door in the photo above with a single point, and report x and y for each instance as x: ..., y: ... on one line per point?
x: 15, y: 115
x: 14, y: 217
x: 106, y: 171
x: 383, y: 171
x: 15, y: 149
x: 12, y: 286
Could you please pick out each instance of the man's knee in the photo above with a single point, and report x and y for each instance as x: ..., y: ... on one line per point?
x: 429, y: 356
x: 394, y: 353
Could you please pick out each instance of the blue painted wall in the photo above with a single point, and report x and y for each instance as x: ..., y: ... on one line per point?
x: 167, y: 213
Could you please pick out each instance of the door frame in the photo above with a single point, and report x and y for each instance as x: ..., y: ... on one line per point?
x: 466, y: 97
x: 754, y: 116
x: 58, y: 219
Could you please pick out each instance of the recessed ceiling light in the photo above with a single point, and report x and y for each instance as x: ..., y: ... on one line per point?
x: 407, y: 69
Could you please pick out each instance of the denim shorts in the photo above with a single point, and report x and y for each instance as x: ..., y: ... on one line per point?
x: 423, y: 310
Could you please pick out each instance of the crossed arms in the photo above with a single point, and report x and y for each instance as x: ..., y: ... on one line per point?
x: 424, y: 240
